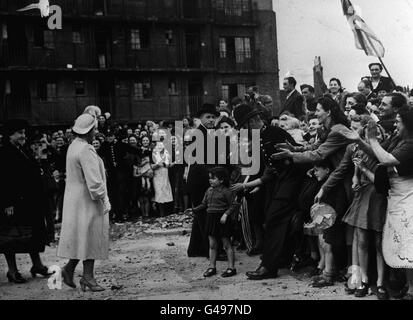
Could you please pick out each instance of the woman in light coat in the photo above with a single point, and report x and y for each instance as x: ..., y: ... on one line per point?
x: 85, y: 225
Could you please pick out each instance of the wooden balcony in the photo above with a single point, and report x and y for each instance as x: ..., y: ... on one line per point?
x: 64, y: 55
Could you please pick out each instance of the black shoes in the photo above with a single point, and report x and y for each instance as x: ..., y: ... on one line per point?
x: 210, y: 272
x: 15, y: 277
x: 382, y: 293
x: 362, y: 291
x: 229, y: 273
x: 39, y: 270
x: 261, y: 273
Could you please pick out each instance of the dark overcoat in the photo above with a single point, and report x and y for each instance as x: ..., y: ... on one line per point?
x: 22, y: 187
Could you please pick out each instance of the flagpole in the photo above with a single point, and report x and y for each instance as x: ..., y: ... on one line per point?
x: 381, y: 61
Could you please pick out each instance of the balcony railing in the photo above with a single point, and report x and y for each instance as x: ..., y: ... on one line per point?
x: 119, y: 56
x: 63, y: 110
x: 223, y: 11
x: 233, y: 11
x: 243, y: 61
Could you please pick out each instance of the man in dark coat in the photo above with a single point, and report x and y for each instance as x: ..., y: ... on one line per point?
x: 198, y: 183
x: 23, y: 204
x: 114, y: 154
x: 281, y: 180
x: 295, y: 101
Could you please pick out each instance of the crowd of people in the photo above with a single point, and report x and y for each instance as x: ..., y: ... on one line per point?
x: 333, y: 194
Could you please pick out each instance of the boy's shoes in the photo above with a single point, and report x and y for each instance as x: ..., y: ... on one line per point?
x: 382, y: 293
x: 210, y: 272
x: 323, y: 281
x: 362, y: 291
x: 349, y: 290
x: 229, y: 273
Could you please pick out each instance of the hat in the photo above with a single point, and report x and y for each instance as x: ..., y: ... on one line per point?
x: 243, y: 113
x: 13, y: 125
x: 84, y: 123
x: 207, y: 108
x: 93, y: 110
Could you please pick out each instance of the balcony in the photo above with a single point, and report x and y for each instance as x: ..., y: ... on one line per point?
x: 63, y: 110
x: 243, y: 61
x: 136, y: 9
x: 119, y: 56
x: 146, y: 10
x: 233, y: 12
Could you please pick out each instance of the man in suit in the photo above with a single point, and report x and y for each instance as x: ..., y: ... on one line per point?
x: 198, y: 183
x: 379, y: 83
x: 295, y: 101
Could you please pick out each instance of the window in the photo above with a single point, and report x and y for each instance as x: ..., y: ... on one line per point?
x: 234, y: 7
x: 225, y: 92
x: 122, y: 89
x: 48, y: 39
x: 135, y: 39
x: 169, y: 37
x: 241, y: 88
x: 172, y: 87
x: 142, y: 89
x: 139, y: 38
x: 219, y: 4
x: 222, y: 47
x: 77, y: 34
x: 4, y: 34
x: 47, y: 91
x: 242, y: 49
x: 79, y: 87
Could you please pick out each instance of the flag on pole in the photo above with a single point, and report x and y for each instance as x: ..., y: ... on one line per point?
x: 364, y: 37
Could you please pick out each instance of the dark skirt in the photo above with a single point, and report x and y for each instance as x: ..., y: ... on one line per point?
x: 368, y: 209
x: 215, y: 228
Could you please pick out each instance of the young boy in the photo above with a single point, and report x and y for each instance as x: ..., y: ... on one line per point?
x: 332, y: 237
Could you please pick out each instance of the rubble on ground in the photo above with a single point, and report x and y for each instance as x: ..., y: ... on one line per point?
x: 130, y: 230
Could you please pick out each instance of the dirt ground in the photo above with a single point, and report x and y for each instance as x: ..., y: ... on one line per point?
x: 154, y: 265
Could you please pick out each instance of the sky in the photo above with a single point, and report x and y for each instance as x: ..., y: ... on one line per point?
x: 309, y: 28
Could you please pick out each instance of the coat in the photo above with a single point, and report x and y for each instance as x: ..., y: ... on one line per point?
x: 22, y: 187
x: 85, y: 229
x: 294, y: 104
